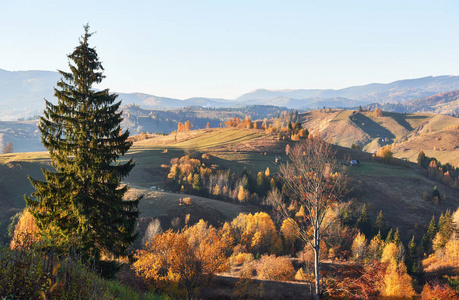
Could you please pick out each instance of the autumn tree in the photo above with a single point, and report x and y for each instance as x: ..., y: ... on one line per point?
x: 257, y: 233
x: 378, y: 112
x: 80, y: 205
x: 385, y: 153
x: 187, y: 126
x: 179, y: 262
x: 397, y: 282
x: 8, y: 148
x: 180, y: 127
x: 314, y: 179
x: 359, y: 246
x: 25, y: 231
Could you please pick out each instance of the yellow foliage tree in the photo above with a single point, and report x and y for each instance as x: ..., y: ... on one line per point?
x: 180, y: 127
x: 256, y: 232
x: 378, y: 112
x: 187, y: 126
x: 243, y: 194
x: 289, y: 230
x: 178, y: 263
x: 375, y: 247
x: 390, y: 251
x: 25, y: 232
x: 397, y: 282
x: 208, y: 247
x: 385, y: 152
x: 216, y: 190
x: 359, y: 246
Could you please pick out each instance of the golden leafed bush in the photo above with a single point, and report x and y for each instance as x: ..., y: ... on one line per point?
x: 377, y: 112
x: 438, y: 291
x: 240, y: 258
x: 275, y: 268
x: 178, y: 263
x: 385, y: 152
x: 302, y: 276
x: 25, y: 232
x: 186, y: 201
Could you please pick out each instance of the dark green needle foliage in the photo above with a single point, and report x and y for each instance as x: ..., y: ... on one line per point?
x: 80, y: 207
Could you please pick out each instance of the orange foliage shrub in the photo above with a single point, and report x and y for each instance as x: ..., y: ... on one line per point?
x: 355, y: 281
x: 25, y: 232
x: 295, y: 137
x: 385, y: 152
x: 378, y: 112
x: 301, y: 276
x: 186, y: 201
x: 239, y: 259
x: 275, y: 268
x: 444, y: 257
x: 438, y: 291
x: 245, y: 288
x: 178, y: 263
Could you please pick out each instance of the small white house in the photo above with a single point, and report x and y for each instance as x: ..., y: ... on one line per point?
x: 354, y: 163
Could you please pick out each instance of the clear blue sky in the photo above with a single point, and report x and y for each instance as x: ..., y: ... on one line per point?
x: 226, y: 48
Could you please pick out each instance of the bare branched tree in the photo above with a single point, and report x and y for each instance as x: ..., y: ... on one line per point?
x: 8, y: 148
x: 314, y: 180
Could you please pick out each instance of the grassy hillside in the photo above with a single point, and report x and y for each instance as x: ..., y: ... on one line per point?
x: 395, y: 189
x: 398, y: 192
x: 344, y: 128
x: 443, y: 145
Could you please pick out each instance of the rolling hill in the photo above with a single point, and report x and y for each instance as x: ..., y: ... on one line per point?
x: 395, y: 189
x: 408, y: 133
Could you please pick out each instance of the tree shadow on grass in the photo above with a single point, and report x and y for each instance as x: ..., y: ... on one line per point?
x: 371, y: 127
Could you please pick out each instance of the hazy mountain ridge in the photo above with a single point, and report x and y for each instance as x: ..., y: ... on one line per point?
x: 442, y: 103
x: 376, y: 92
x: 22, y: 94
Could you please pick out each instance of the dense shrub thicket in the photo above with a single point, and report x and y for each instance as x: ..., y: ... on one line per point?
x: 30, y: 273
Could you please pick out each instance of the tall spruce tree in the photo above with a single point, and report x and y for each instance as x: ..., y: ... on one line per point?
x: 80, y: 206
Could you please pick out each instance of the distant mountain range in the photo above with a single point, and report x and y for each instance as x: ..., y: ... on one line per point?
x: 442, y: 103
x: 22, y: 94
